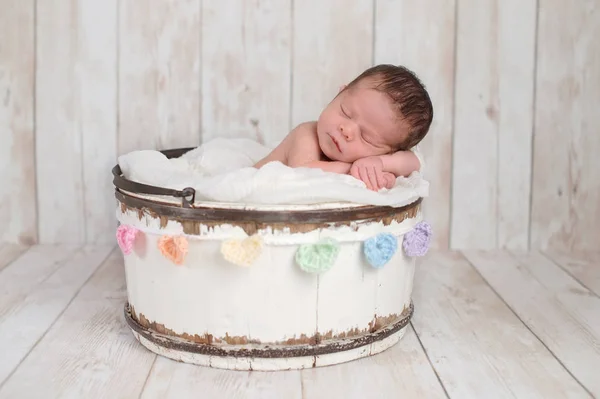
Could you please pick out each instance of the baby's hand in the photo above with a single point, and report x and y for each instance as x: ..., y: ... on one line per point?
x: 390, y: 180
x: 370, y: 171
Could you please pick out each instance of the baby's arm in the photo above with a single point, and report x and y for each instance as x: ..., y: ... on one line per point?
x: 400, y: 163
x: 278, y: 154
x: 342, y: 168
x: 380, y: 171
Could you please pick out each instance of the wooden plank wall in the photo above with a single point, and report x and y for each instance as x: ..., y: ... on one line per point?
x: 515, y: 84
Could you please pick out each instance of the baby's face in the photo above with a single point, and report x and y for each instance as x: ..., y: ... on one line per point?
x: 358, y: 123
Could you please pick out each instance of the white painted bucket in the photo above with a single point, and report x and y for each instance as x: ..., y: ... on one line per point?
x: 239, y: 288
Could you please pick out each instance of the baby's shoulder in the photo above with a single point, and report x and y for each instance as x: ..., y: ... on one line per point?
x: 305, y: 132
x: 306, y: 128
x: 304, y: 144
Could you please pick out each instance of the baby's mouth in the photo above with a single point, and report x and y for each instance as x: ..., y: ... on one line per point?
x: 336, y: 143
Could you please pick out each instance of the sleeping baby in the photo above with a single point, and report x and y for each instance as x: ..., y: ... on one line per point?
x: 367, y: 130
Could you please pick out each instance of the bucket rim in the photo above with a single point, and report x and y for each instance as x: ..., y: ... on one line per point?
x: 182, y: 203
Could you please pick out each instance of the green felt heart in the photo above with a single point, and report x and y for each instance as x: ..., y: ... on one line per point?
x: 319, y: 257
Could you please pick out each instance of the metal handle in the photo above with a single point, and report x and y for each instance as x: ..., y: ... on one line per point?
x: 187, y: 195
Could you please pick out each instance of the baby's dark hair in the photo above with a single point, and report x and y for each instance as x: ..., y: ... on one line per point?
x: 407, y: 93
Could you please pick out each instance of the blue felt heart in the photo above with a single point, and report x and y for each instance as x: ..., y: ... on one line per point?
x: 379, y: 249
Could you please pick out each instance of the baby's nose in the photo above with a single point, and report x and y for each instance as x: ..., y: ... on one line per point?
x: 347, y: 131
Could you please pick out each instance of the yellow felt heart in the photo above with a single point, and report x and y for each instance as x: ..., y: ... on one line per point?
x: 242, y: 252
x: 173, y: 248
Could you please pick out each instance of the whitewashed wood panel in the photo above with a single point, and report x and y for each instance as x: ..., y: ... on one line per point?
x: 97, y: 71
x: 495, y: 48
x: 89, y: 350
x: 420, y: 36
x: 27, y: 271
x: 20, y: 279
x: 583, y: 266
x: 332, y: 44
x: 75, y: 119
x: 246, y: 69
x: 561, y: 312
x: 10, y: 252
x: 18, y: 216
x: 402, y: 371
x: 25, y: 317
x: 566, y: 187
x: 477, y: 345
x: 170, y: 379
x: 159, y: 74
x: 166, y: 74
x: 516, y: 75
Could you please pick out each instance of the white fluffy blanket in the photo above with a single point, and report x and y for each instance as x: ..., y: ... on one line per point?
x: 221, y: 170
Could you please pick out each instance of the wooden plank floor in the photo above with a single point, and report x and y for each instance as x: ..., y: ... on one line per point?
x: 487, y: 325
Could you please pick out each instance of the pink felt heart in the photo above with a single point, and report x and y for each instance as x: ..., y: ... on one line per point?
x: 125, y: 237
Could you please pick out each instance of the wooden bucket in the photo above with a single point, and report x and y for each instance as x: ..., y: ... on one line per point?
x: 261, y: 287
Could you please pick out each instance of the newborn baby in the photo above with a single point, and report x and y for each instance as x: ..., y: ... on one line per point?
x: 366, y: 131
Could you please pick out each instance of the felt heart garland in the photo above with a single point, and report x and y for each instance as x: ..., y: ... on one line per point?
x: 126, y: 237
x: 242, y: 252
x: 318, y: 257
x: 173, y: 248
x: 380, y: 249
x: 416, y: 242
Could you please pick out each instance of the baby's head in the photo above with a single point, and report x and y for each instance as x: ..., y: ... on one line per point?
x: 383, y: 110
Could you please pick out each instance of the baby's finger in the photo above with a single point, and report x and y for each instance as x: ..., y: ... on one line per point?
x: 390, y: 180
x: 365, y: 177
x: 381, y: 182
x: 354, y: 172
x: 373, y: 179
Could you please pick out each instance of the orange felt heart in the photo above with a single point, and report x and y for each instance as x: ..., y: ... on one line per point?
x: 173, y: 248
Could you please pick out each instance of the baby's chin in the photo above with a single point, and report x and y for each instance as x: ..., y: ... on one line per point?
x: 329, y: 152
x: 335, y: 156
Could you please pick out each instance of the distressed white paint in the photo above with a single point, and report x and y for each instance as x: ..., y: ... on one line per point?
x: 75, y: 119
x: 272, y: 364
x: 159, y: 74
x: 358, y: 230
x: 477, y: 345
x: 420, y: 35
x: 559, y: 310
x: 177, y: 76
x: 393, y: 293
x: 346, y: 293
x: 18, y: 219
x: 27, y: 314
x: 246, y: 67
x: 97, y: 102
x: 272, y: 300
x: 20, y: 280
x: 332, y: 45
x: 10, y: 252
x: 582, y: 266
x: 566, y: 185
x: 89, y: 350
x: 169, y: 379
x: 402, y: 370
x: 252, y: 302
x: 493, y: 123
x: 516, y: 59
